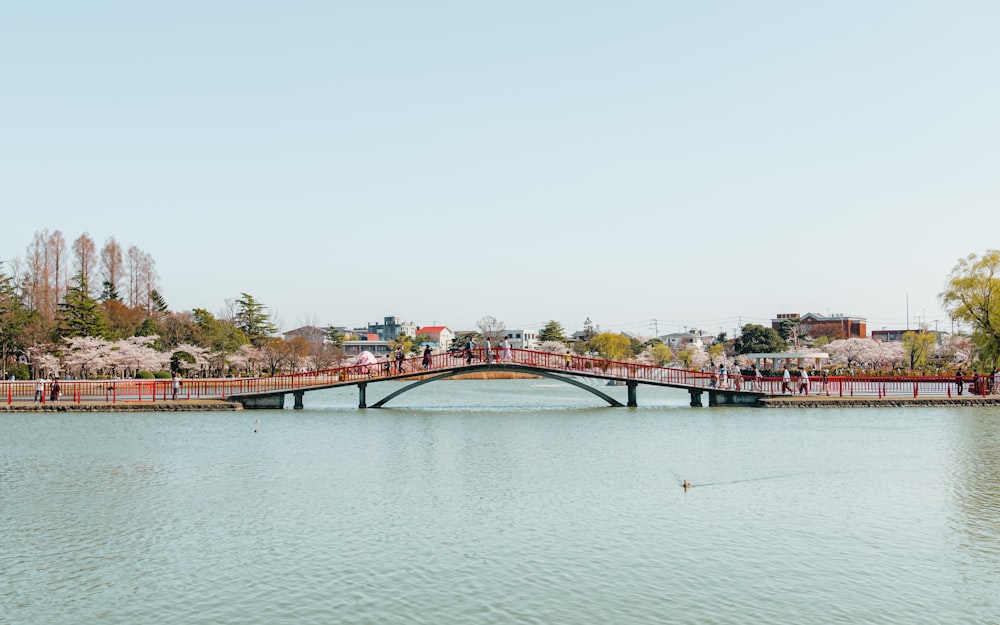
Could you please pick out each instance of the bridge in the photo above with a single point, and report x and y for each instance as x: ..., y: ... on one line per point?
x: 585, y: 373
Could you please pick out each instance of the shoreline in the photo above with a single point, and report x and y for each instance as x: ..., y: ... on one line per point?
x: 820, y: 401
x: 181, y: 405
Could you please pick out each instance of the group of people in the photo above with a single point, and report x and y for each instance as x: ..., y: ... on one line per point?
x: 55, y: 390
x: 988, y: 384
x: 732, y: 379
x: 505, y: 352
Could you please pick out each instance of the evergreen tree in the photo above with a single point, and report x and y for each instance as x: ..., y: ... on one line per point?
x: 159, y: 304
x: 14, y: 316
x: 79, y: 314
x: 217, y: 335
x: 335, y: 336
x: 758, y: 339
x: 553, y: 331
x: 109, y: 292
x: 252, y: 319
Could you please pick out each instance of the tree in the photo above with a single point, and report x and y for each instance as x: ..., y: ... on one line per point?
x: 972, y: 296
x: 252, y: 319
x: 219, y: 336
x: 491, y: 328
x: 13, y: 319
x: 918, y: 347
x: 611, y: 346
x: 716, y: 351
x: 158, y: 304
x: 79, y: 313
x: 112, y: 270
x: 85, y: 257
x: 758, y: 339
x: 335, y: 336
x: 553, y: 331
x: 788, y: 329
x: 662, y: 356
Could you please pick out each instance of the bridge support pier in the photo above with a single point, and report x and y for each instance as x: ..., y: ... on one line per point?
x: 722, y: 398
x: 362, y: 403
x: 298, y: 400
x: 632, y: 403
x: 695, y: 397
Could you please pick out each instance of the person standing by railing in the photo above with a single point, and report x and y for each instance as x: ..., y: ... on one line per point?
x: 959, y: 381
x: 506, y: 349
x: 40, y: 390
x: 175, y: 385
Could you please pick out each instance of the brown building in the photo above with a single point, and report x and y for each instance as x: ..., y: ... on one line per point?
x: 834, y: 327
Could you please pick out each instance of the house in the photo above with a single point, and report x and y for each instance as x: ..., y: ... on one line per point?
x: 837, y: 326
x: 681, y: 340
x: 437, y: 336
x: 391, y: 329
x: 315, y: 336
x: 523, y: 339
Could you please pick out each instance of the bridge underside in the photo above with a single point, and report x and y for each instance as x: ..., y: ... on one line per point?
x: 512, y: 368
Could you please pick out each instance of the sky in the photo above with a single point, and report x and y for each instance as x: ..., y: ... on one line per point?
x: 650, y: 166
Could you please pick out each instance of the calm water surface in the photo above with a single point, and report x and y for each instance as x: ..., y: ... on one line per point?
x: 501, y: 502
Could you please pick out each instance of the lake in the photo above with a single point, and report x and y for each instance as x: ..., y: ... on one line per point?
x: 501, y: 501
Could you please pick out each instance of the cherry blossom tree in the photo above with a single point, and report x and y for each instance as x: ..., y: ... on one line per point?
x: 86, y: 355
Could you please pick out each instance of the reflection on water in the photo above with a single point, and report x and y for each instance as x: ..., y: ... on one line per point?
x: 977, y: 482
x: 501, y: 502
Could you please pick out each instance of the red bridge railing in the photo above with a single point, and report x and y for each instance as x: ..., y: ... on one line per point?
x: 215, y: 388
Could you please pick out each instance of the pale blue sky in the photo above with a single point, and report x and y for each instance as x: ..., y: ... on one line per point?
x: 697, y: 163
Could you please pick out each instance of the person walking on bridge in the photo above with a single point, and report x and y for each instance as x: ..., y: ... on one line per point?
x: 786, y: 381
x: 506, y: 349
x: 803, y: 382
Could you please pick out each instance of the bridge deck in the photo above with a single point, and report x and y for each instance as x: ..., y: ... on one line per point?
x: 737, y: 390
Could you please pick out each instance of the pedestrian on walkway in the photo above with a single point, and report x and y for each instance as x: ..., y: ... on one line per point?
x: 786, y: 381
x: 803, y: 382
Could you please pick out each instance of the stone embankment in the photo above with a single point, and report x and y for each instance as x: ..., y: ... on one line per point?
x: 124, y: 406
x: 819, y: 401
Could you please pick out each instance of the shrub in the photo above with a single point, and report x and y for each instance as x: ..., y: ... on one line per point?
x: 162, y: 375
x: 144, y: 375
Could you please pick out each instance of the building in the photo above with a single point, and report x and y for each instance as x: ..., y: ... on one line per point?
x: 315, y: 336
x: 437, y: 336
x: 391, y: 329
x: 681, y: 340
x: 834, y: 327
x: 523, y: 339
x: 367, y: 343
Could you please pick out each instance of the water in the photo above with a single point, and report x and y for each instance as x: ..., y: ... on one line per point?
x: 495, y: 502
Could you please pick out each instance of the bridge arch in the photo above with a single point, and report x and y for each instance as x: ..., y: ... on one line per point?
x: 505, y: 367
